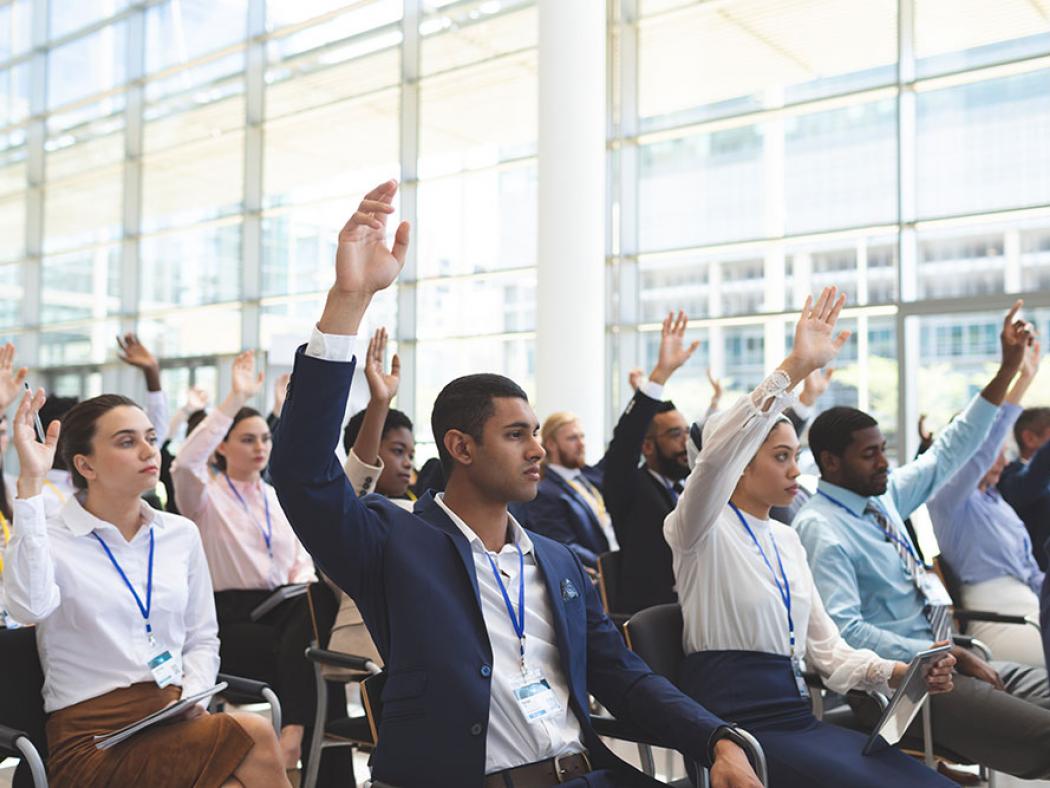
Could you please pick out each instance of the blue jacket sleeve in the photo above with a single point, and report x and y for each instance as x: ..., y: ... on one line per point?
x: 1023, y: 483
x: 547, y: 516
x: 912, y: 485
x: 625, y: 452
x: 345, y: 535
x: 629, y: 689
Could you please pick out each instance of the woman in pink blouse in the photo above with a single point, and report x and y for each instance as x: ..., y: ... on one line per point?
x: 251, y: 550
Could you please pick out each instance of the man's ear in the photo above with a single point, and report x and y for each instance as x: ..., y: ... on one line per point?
x: 648, y: 445
x: 829, y: 462
x: 460, y: 446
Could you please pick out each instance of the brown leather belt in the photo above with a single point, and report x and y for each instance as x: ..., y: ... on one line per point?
x: 543, y: 774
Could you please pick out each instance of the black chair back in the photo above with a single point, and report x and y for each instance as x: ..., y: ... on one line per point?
x: 655, y: 635
x: 21, y: 685
x: 609, y: 580
x: 951, y: 580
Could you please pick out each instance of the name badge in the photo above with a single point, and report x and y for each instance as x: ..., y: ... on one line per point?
x: 164, y: 669
x: 800, y: 680
x: 933, y: 589
x: 535, y: 697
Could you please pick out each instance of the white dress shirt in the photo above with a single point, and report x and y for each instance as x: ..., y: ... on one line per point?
x: 89, y: 631
x: 728, y: 596
x: 511, y: 741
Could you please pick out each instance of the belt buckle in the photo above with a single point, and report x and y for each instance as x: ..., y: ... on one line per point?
x: 560, y: 773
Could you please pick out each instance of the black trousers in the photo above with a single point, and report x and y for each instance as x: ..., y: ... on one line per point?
x: 271, y: 649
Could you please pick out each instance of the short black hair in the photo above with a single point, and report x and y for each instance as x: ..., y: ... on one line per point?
x: 465, y: 404
x: 53, y: 409
x: 1034, y: 419
x: 665, y: 406
x: 833, y: 430
x: 395, y: 420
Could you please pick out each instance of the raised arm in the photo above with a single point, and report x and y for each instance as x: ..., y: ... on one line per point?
x: 189, y: 473
x: 732, y: 438
x: 625, y: 450
x: 29, y: 574
x: 135, y: 354
x: 11, y: 379
x: 382, y: 388
x: 346, y: 537
x: 912, y: 485
x: 200, y: 651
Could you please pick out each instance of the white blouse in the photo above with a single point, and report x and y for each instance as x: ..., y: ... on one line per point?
x: 728, y: 596
x: 89, y: 631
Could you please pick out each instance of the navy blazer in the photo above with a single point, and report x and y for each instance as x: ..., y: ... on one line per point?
x: 560, y: 512
x: 1026, y: 487
x: 412, y: 576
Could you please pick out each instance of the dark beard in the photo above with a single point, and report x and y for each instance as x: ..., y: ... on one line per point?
x: 670, y: 467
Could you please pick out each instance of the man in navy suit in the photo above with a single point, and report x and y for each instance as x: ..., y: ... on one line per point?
x: 569, y: 506
x: 492, y: 638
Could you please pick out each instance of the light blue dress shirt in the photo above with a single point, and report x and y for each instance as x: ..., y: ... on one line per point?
x: 980, y: 535
x: 858, y: 572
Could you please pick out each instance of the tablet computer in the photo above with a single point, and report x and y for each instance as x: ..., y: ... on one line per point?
x: 906, y: 702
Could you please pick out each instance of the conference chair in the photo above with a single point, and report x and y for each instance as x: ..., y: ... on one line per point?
x: 655, y: 635
x: 609, y: 585
x: 333, y: 725
x: 22, y: 717
x: 964, y: 616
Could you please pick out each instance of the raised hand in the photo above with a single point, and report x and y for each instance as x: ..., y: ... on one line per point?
x: 11, y: 381
x: 816, y: 342
x: 635, y: 377
x: 196, y: 399
x: 673, y: 352
x: 363, y: 263
x: 1030, y: 363
x: 1015, y: 338
x: 716, y: 387
x: 34, y: 458
x: 815, y: 384
x: 381, y: 385
x: 133, y: 352
x: 245, y: 382
x: 280, y: 392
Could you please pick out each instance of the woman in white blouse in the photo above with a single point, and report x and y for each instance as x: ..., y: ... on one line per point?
x: 125, y: 623
x: 751, y: 612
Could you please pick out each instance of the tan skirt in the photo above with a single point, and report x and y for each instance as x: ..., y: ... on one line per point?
x: 201, y: 753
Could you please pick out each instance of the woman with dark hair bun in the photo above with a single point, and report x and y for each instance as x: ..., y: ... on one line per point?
x: 122, y: 602
x: 251, y: 550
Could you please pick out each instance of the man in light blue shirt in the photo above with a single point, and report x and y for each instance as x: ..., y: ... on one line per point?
x: 866, y: 571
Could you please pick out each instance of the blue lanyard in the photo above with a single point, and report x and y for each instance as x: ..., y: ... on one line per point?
x: 144, y: 609
x: 785, y: 589
x: 517, y: 621
x: 891, y: 534
x: 267, y: 532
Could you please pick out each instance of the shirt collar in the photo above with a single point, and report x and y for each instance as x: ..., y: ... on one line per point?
x: 517, y: 532
x: 855, y: 503
x: 566, y: 473
x: 81, y: 522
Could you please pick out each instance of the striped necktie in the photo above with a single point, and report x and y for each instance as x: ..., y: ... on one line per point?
x: 939, y: 616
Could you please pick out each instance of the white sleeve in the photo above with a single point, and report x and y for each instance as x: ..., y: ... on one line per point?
x: 730, y: 440
x: 362, y: 476
x: 842, y: 667
x: 30, y: 591
x: 331, y: 347
x: 200, y: 651
x: 157, y: 413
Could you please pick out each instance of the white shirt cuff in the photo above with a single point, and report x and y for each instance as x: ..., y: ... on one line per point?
x: 652, y: 390
x: 331, y: 347
x: 28, y: 515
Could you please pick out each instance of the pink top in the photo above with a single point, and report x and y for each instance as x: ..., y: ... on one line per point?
x: 233, y: 538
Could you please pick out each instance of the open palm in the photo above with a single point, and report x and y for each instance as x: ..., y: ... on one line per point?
x: 816, y: 342
x: 34, y: 458
x: 363, y: 263
x: 244, y: 380
x: 11, y: 381
x: 382, y: 385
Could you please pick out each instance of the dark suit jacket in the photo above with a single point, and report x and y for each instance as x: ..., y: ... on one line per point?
x: 1026, y: 487
x: 638, y: 504
x: 413, y: 578
x: 561, y: 513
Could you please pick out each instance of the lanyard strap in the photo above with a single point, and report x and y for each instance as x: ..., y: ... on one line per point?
x: 267, y: 532
x: 144, y: 609
x: 890, y: 531
x: 785, y: 588
x: 516, y: 621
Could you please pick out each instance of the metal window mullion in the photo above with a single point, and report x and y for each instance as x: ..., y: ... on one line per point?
x: 408, y: 289
x: 907, y: 329
x: 252, y: 196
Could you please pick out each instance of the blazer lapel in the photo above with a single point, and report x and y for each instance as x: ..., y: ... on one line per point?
x: 597, y: 538
x: 552, y: 581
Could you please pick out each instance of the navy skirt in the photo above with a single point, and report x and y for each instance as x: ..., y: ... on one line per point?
x: 757, y: 691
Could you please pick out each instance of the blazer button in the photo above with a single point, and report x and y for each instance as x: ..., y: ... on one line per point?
x: 486, y: 671
x: 475, y: 729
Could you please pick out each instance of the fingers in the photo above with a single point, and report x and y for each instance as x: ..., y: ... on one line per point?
x: 666, y: 329
x: 841, y: 340
x: 20, y: 376
x: 7, y: 356
x: 680, y: 324
x: 693, y: 347
x: 820, y: 308
x: 53, y: 430
x: 395, y: 366
x: 836, y: 308
x: 1012, y: 314
x: 401, y: 238
x: 807, y: 308
x: 380, y: 190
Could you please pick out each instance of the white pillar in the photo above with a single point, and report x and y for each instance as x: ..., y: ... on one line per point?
x: 570, y: 293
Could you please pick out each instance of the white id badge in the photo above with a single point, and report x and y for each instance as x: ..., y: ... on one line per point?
x: 164, y: 669
x: 535, y: 697
x: 933, y: 589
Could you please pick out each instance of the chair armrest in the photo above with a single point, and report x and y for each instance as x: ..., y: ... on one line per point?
x: 340, y: 660
x: 749, y: 744
x: 8, y: 737
x: 16, y: 744
x: 612, y: 728
x: 243, y: 686
x: 966, y: 641
x: 994, y: 618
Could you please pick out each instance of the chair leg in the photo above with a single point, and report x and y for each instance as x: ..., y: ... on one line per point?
x: 313, y: 763
x: 927, y: 735
x: 645, y: 754
x: 32, y: 759
x: 275, y: 709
